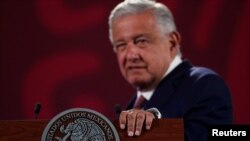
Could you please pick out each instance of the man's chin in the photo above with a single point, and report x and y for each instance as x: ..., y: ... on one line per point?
x: 139, y: 83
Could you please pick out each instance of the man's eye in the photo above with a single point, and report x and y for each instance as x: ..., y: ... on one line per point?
x: 141, y: 41
x: 120, y: 46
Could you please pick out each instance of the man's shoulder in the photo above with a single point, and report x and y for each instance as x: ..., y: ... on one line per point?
x: 200, y: 72
x: 202, y: 76
x: 186, y: 74
x: 189, y: 70
x: 195, y: 74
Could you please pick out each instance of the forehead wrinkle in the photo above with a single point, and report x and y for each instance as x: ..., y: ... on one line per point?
x: 126, y: 36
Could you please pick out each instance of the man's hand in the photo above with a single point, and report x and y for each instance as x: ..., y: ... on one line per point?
x: 134, y: 119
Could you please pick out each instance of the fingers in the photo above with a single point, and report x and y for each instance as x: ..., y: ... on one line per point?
x: 123, y: 119
x: 131, y: 119
x: 139, y: 123
x: 134, y: 120
x: 149, y: 120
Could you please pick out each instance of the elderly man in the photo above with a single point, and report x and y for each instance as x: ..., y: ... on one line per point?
x: 147, y: 45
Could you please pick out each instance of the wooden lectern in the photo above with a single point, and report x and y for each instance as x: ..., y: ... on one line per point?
x: 162, y: 130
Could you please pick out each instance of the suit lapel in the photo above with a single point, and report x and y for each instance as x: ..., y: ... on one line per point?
x: 131, y: 103
x: 166, y: 89
x: 161, y: 95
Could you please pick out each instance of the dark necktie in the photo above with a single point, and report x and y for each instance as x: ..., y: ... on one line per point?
x: 139, y: 103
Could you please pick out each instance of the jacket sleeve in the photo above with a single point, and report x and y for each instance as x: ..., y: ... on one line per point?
x: 211, y: 105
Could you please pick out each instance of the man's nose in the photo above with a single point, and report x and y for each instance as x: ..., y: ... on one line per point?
x: 132, y: 53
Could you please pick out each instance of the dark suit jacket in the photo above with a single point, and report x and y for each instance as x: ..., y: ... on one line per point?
x: 196, y: 94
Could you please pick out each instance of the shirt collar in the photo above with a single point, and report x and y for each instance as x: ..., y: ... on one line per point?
x: 148, y: 94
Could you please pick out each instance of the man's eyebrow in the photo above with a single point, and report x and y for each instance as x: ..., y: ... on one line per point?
x: 119, y: 41
x: 134, y: 37
x: 138, y: 36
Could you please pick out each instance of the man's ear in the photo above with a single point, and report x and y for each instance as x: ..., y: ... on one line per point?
x: 175, y: 40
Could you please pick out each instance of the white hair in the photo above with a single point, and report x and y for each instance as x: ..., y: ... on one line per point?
x: 161, y: 13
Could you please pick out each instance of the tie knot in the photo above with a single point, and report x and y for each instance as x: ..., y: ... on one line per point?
x: 139, y: 103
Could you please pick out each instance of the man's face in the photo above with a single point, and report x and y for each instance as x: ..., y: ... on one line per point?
x: 143, y: 51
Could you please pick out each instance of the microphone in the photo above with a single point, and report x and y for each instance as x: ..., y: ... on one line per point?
x: 117, y: 110
x: 37, y: 109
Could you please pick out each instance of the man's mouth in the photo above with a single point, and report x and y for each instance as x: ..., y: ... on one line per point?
x: 136, y: 67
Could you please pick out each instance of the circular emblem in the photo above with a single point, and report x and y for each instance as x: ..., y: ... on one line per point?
x: 80, y: 124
